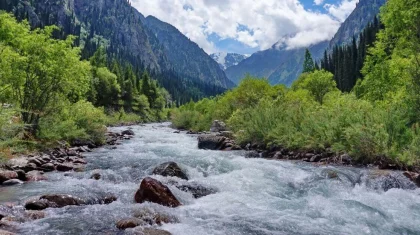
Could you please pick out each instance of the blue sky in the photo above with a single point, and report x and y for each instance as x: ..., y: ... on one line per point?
x: 247, y: 26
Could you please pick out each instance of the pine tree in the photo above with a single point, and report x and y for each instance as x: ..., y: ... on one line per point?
x: 308, y: 64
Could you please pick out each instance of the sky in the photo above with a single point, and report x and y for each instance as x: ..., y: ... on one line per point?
x: 247, y: 26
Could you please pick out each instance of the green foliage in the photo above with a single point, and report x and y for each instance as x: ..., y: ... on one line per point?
x: 80, y: 120
x: 318, y: 83
x: 308, y: 63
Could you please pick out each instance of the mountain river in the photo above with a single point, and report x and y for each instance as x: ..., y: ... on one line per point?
x: 254, y: 196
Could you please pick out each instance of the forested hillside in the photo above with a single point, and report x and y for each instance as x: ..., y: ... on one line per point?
x: 121, y: 30
x: 377, y: 122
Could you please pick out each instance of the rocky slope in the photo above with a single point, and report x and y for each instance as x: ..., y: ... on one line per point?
x: 227, y: 60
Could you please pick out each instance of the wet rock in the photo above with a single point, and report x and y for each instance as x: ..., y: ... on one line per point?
x: 48, y: 167
x: 129, y: 223
x: 7, y: 175
x: 96, y: 176
x: 227, y: 134
x: 34, y: 215
x: 154, y: 191
x: 177, y: 132
x: 128, y: 132
x: 37, y: 205
x: 252, y: 154
x: 211, y: 142
x: 12, y: 182
x: 386, y: 180
x: 35, y: 161
x: 30, y: 167
x: 196, y: 190
x: 4, y: 232
x: 82, y: 142
x: 149, y: 231
x: 21, y: 175
x: 316, y: 158
x: 62, y: 200
x: 170, y: 169
x: 65, y: 167
x: 330, y: 174
x: 414, y: 177
x: 35, y: 176
x: 101, y: 200
x: 218, y: 126
x: 155, y: 218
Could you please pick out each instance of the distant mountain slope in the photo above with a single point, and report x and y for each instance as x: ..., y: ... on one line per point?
x: 278, y: 65
x: 361, y: 16
x: 186, y: 55
x: 227, y: 60
x: 146, y: 43
x: 284, y: 66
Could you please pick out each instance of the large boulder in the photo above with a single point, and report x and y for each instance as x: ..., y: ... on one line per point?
x: 7, y: 175
x: 154, y: 191
x: 218, y: 126
x: 211, y: 142
x: 170, y: 169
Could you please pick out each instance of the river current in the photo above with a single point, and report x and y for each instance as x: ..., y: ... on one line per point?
x: 254, y: 196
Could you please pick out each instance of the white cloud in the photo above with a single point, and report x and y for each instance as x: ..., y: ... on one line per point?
x: 318, y: 2
x: 343, y: 10
x: 267, y: 21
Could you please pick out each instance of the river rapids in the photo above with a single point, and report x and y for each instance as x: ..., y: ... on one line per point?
x: 254, y: 196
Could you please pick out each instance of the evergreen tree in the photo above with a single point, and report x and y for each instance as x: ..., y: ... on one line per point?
x: 308, y: 64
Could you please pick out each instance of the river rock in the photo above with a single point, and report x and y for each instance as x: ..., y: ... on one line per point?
x: 386, y: 180
x: 62, y: 200
x: 65, y: 167
x: 154, y: 191
x: 155, y: 218
x: 129, y: 223
x: 12, y: 182
x: 35, y: 176
x: 414, y: 177
x: 196, y: 190
x: 218, y: 126
x: 7, y: 175
x: 211, y: 142
x: 96, y: 176
x: 83, y: 142
x: 128, y: 132
x: 47, y: 167
x: 149, y: 231
x: 170, y: 169
x: 4, y: 232
x: 37, y: 205
x: 34, y: 215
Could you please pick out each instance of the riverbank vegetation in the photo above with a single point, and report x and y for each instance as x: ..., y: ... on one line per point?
x: 379, y: 117
x: 47, y: 93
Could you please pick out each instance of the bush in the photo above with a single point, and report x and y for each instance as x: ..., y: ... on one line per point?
x: 75, y: 121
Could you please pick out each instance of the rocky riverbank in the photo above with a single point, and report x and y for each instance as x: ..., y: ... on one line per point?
x: 219, y: 138
x: 67, y: 157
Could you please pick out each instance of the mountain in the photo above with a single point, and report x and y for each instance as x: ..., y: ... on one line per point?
x: 146, y: 43
x: 227, y: 60
x: 283, y: 66
x: 279, y: 65
x: 361, y: 16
